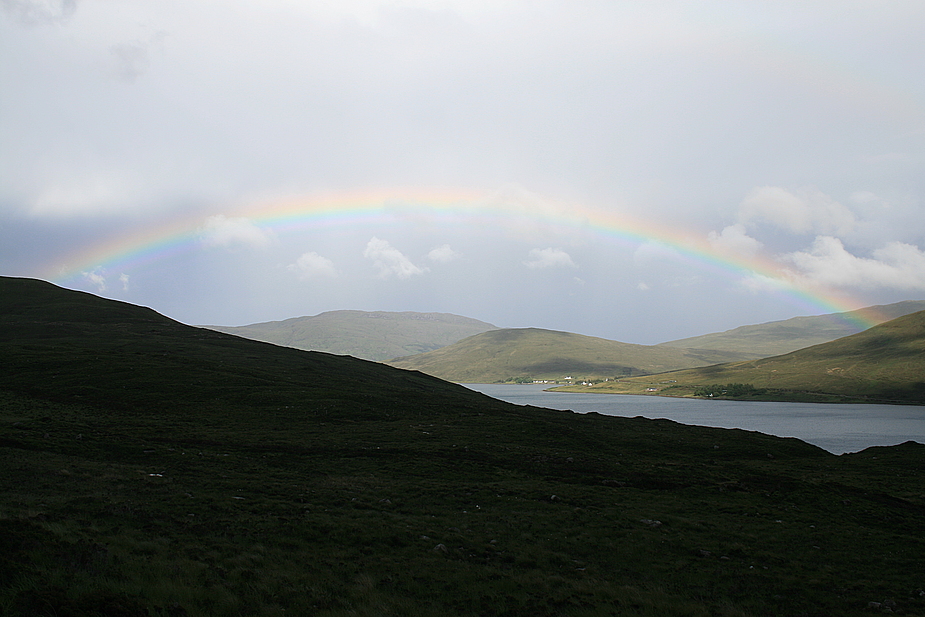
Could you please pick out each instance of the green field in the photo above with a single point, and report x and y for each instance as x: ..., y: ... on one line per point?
x: 156, y: 469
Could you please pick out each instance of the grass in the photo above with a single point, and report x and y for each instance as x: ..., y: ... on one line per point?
x: 156, y: 469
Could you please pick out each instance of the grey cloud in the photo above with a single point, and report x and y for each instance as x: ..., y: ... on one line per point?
x: 131, y: 60
x: 38, y: 12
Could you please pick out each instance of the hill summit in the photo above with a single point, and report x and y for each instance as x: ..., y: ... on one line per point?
x: 371, y: 335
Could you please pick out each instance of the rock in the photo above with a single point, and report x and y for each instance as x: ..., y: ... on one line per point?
x: 440, y: 548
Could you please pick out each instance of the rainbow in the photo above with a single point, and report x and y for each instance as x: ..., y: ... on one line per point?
x: 509, y: 210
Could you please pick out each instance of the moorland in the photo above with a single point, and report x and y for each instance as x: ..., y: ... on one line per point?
x: 153, y: 468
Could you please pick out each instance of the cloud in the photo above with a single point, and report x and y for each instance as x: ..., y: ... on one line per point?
x: 897, y: 265
x: 653, y: 252
x: 131, y: 60
x: 810, y: 211
x: 389, y: 260
x: 733, y: 240
x: 37, y: 12
x: 443, y: 254
x: 312, y: 265
x: 99, y: 193
x: 97, y: 279
x: 123, y: 278
x: 549, y: 258
x: 220, y: 230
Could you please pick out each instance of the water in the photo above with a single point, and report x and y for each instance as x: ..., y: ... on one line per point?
x: 833, y: 427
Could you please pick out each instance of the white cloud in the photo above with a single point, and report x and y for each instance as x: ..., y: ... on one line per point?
x: 549, y: 258
x: 760, y: 283
x: 895, y: 266
x: 312, y: 265
x: 809, y: 211
x: 96, y: 279
x: 220, y: 230
x: 389, y: 260
x: 733, y: 240
x: 443, y: 254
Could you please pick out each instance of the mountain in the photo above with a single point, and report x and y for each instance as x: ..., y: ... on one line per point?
x: 885, y: 363
x: 536, y: 354
x: 154, y: 468
x: 377, y: 335
x: 780, y: 337
x: 90, y: 347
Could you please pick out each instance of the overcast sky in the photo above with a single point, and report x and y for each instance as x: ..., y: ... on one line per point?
x: 640, y: 171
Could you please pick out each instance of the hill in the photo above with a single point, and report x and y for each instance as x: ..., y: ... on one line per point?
x: 535, y: 354
x: 780, y: 337
x: 377, y: 335
x: 153, y: 468
x: 883, y: 364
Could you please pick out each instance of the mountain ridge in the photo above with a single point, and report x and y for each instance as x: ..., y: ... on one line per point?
x: 370, y: 335
x: 786, y: 335
x: 885, y: 363
x: 528, y: 354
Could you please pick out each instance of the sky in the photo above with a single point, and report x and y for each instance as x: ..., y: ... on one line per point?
x: 638, y: 171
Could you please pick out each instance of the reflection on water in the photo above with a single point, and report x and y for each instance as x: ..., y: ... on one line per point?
x: 834, y: 427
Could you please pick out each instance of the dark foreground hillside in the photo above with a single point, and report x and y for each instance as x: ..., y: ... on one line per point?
x: 151, y: 468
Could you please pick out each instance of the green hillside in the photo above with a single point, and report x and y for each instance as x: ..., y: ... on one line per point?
x: 885, y: 363
x: 536, y: 354
x: 780, y: 337
x: 377, y: 335
x: 156, y: 469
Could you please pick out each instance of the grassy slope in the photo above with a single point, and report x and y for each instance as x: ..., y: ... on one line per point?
x: 885, y: 363
x: 780, y: 337
x: 151, y: 468
x: 499, y: 355
x: 376, y: 335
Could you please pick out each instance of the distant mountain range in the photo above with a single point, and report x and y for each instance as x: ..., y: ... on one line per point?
x: 528, y: 354
x: 462, y: 349
x: 885, y: 363
x: 377, y: 335
x: 780, y: 337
